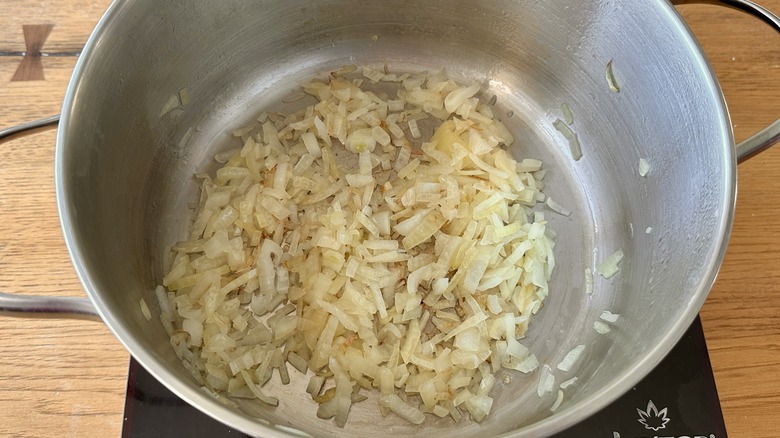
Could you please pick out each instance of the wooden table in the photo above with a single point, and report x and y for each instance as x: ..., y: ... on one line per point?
x: 67, y: 378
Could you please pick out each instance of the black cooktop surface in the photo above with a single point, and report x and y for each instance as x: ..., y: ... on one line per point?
x: 677, y: 400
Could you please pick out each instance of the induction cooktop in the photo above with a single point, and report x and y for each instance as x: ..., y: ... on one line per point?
x: 678, y: 399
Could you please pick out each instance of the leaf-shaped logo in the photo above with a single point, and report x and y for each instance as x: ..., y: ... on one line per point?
x: 652, y: 418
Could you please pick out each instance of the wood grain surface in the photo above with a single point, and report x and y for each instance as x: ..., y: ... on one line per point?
x: 67, y: 378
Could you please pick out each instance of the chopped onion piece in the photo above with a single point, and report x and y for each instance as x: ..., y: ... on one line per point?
x: 568, y: 117
x: 310, y: 141
x: 558, y: 401
x: 572, y: 357
x: 373, y: 75
x: 609, y: 316
x: 571, y: 137
x: 294, y: 97
x: 273, y: 401
x: 528, y: 165
x: 145, y: 310
x: 360, y: 141
x: 344, y: 70
x: 413, y: 129
x: 609, y: 266
x: 169, y: 105
x: 380, y: 135
x: 315, y: 385
x: 459, y: 96
x: 529, y: 364
x: 567, y: 383
x: 601, y: 327
x: 644, y: 167
x: 184, y: 96
x: 546, y: 381
x: 195, y: 330
x: 613, y: 85
x: 558, y: 208
x: 403, y: 410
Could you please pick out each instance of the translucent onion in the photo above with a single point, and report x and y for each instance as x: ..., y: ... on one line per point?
x: 339, y: 240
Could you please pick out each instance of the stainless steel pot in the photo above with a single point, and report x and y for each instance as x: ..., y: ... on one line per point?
x: 124, y: 172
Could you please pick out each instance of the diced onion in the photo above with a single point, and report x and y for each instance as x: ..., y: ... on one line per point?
x: 403, y: 410
x: 571, y: 137
x: 644, y: 167
x: 567, y: 383
x: 457, y: 97
x: 568, y: 117
x: 361, y: 140
x: 611, y: 81
x: 609, y: 267
x: 145, y: 310
x: 330, y: 241
x: 601, y: 327
x: 169, y: 105
x: 609, y: 316
x: 546, y: 381
x: 372, y: 74
x: 414, y: 130
x: 556, y: 207
x: 558, y: 401
x: 310, y: 141
x: 184, y: 96
x: 572, y: 357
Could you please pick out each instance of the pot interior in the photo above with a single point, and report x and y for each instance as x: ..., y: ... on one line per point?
x: 126, y: 188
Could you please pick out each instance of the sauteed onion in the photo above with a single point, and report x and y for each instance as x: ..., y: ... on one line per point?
x: 337, y: 242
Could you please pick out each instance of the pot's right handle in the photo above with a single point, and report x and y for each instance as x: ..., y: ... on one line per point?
x: 771, y: 134
x: 31, y: 306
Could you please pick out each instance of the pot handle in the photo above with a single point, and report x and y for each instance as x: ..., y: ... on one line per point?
x: 770, y: 135
x: 30, y: 306
x: 33, y: 306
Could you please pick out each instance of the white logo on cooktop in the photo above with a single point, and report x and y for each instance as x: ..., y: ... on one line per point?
x: 712, y: 435
x: 652, y: 418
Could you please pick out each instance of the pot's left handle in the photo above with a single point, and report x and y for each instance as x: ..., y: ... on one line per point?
x: 28, y: 128
x: 30, y: 306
